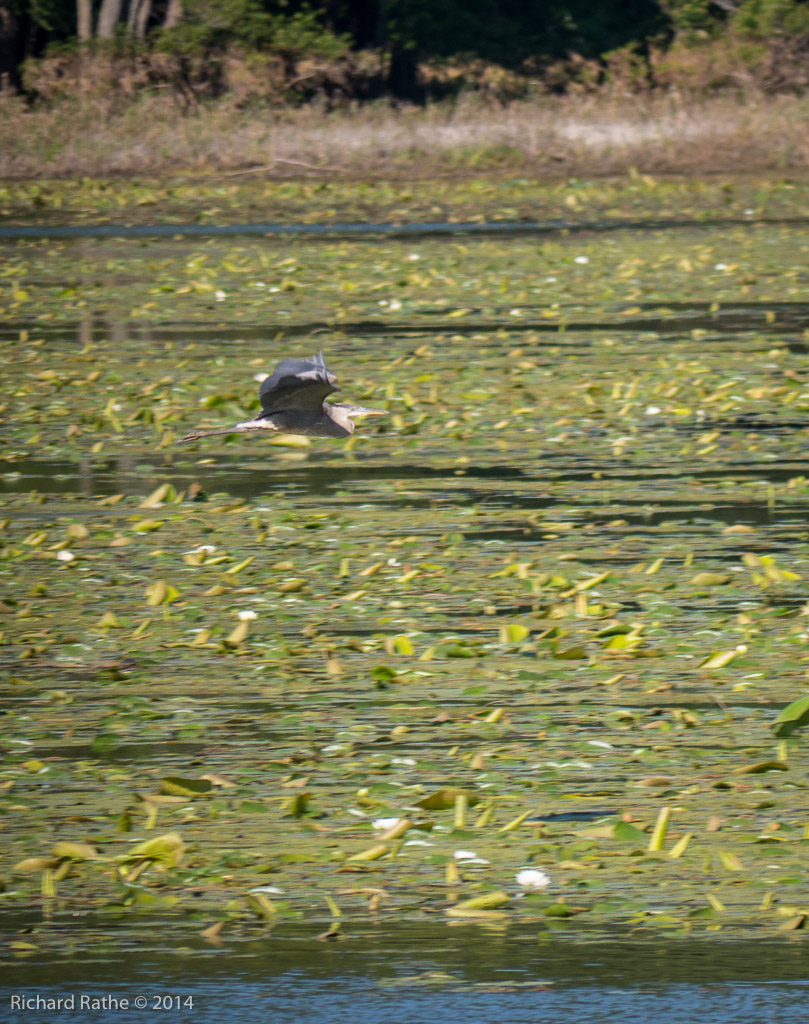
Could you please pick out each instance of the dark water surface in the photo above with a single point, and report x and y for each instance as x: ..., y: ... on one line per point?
x: 424, y: 229
x: 415, y: 973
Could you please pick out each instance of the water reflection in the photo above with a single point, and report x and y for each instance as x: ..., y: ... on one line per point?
x: 423, y: 229
x: 670, y: 320
x: 496, y: 487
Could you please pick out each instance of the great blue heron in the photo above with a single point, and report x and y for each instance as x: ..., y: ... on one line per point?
x: 293, y: 402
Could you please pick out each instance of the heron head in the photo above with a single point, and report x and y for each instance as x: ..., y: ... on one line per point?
x: 345, y: 414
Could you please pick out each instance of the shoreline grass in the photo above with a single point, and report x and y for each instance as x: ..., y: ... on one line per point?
x: 598, y: 135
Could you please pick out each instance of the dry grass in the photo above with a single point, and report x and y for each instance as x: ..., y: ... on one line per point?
x: 585, y: 135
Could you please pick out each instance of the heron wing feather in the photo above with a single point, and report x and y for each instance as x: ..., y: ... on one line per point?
x: 300, y: 384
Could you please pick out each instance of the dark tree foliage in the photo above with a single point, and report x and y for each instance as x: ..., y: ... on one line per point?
x: 515, y: 34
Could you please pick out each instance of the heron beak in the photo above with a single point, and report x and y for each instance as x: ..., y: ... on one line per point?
x: 360, y: 410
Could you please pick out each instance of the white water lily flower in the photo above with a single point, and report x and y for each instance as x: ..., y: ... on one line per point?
x: 203, y: 549
x: 220, y: 295
x: 581, y: 259
x: 248, y: 614
x: 720, y: 266
x: 652, y: 410
x: 267, y: 888
x: 531, y: 878
x: 408, y: 762
x: 469, y: 858
x: 384, y: 823
x: 65, y: 556
x: 418, y: 842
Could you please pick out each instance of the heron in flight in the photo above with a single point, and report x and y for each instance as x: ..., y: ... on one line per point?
x: 293, y: 401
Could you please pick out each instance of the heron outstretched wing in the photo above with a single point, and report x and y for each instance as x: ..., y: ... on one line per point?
x: 300, y: 384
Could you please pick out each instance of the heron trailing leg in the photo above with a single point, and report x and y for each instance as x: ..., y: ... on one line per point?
x: 238, y: 428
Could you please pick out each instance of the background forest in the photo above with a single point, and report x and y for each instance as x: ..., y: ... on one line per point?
x: 411, y: 50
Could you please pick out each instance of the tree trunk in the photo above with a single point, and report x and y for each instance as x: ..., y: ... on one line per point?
x: 10, y: 55
x: 403, y: 76
x: 84, y: 20
x: 108, y: 18
x: 379, y: 34
x: 138, y: 17
x: 174, y: 12
x: 142, y: 18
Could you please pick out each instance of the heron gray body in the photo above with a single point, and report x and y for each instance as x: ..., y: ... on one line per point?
x: 293, y: 401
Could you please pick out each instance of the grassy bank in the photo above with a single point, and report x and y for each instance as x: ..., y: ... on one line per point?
x: 599, y: 134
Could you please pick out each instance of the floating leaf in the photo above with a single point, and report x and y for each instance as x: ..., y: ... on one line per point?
x: 147, y: 525
x: 561, y: 910
x: 659, y: 831
x: 793, y: 717
x: 168, y: 849
x: 165, y: 492
x: 74, y: 851
x: 372, y: 853
x: 403, y: 645
x: 444, y: 799
x: 628, y: 833
x: 486, y: 901
x: 718, y: 660
x: 760, y: 767
x: 260, y: 905
x: 109, y: 620
x: 239, y: 634
x: 794, y: 923
x: 730, y: 862
x: 175, y: 785
x: 33, y: 865
x: 513, y: 632
x: 681, y: 846
x: 161, y: 592
x: 710, y: 579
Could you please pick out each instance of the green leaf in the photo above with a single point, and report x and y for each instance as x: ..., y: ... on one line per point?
x: 628, y: 833
x: 74, y: 851
x: 178, y: 786
x: 793, y: 717
x: 167, y: 848
x: 760, y: 767
x: 445, y: 798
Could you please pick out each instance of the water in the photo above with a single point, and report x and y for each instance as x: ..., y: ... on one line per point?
x: 415, y: 230
x: 412, y: 972
x: 536, y: 461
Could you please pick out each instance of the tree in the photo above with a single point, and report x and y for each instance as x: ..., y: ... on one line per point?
x: 108, y: 18
x: 84, y: 19
x: 138, y: 17
x: 9, y: 36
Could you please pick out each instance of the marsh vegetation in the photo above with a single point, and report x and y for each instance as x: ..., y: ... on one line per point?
x: 542, y: 617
